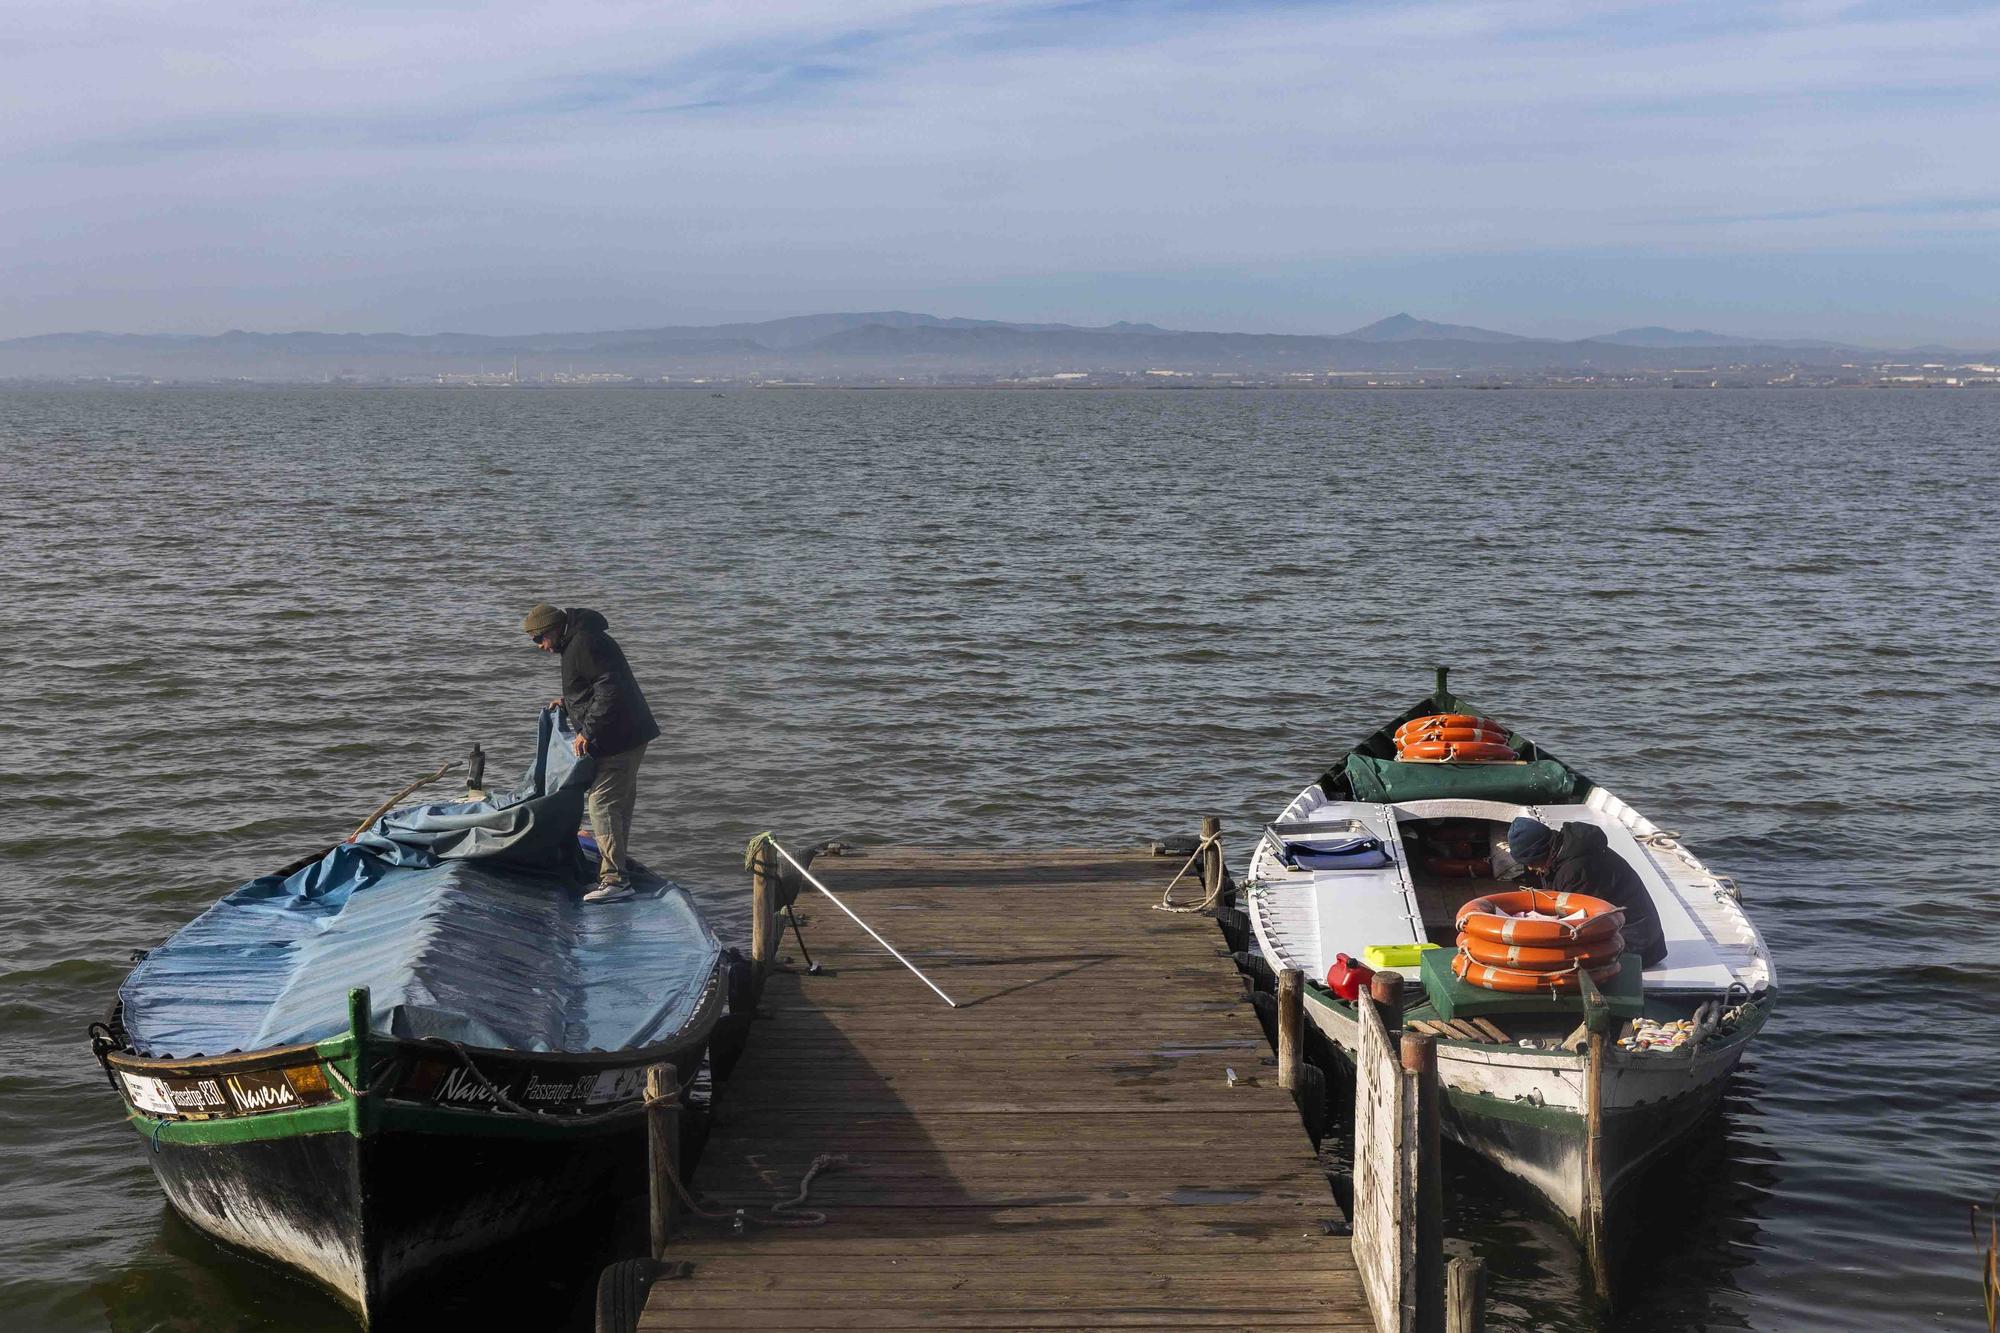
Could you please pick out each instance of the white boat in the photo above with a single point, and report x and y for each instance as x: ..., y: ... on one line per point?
x: 1522, y: 1083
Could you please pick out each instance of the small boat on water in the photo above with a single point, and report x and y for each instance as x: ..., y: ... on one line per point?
x: 1394, y: 852
x: 418, y: 1044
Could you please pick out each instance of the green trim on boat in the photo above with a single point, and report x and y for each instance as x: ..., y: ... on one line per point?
x: 375, y: 1118
x: 1469, y: 1105
x: 332, y: 1118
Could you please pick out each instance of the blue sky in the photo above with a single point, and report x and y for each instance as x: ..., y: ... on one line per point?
x: 1802, y: 168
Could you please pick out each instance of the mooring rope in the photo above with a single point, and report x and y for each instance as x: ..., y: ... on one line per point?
x: 352, y: 1094
x: 1167, y: 903
x: 771, y: 1215
x: 766, y: 840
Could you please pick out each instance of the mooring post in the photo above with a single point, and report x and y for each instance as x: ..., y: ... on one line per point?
x: 1211, y: 857
x: 763, y: 911
x: 362, y: 1107
x: 1465, y: 1296
x: 1419, y: 1056
x: 663, y: 1150
x: 358, y: 1007
x: 1291, y: 1026
x: 1596, y: 1247
x: 1386, y: 989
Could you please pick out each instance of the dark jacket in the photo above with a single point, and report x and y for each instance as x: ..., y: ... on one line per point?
x: 599, y: 693
x: 1585, y: 863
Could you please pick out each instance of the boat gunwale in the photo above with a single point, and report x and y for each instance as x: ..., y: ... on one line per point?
x: 1763, y: 1004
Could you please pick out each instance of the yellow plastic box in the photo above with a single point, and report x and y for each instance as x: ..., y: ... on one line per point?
x: 1396, y: 955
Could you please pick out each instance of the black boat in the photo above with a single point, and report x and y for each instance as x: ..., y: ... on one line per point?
x: 419, y: 1044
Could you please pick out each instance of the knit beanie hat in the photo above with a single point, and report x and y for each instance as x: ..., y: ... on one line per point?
x: 1528, y: 840
x: 542, y: 618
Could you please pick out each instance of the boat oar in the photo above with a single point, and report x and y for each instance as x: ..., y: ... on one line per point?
x: 390, y: 804
x: 808, y: 875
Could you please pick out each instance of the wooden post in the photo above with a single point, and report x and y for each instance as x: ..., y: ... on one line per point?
x: 1465, y: 1296
x: 663, y: 1150
x: 1596, y: 1247
x: 1595, y: 1243
x: 358, y: 1009
x: 366, y: 1110
x: 763, y: 911
x: 1211, y: 857
x: 1388, y: 1132
x: 1386, y: 989
x: 1419, y: 1057
x: 1291, y: 1026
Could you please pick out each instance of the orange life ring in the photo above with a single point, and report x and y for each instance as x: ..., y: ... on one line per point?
x: 1497, y: 917
x: 1454, y: 867
x: 1448, y: 720
x: 1512, y: 979
x: 1527, y: 958
x: 1458, y: 752
x: 1493, y: 734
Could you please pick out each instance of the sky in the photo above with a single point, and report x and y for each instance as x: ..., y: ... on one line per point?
x: 1774, y: 168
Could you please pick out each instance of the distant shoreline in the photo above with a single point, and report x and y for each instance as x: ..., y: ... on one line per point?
x: 725, y: 388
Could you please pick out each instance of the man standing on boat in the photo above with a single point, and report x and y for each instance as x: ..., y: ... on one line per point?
x: 1576, y: 858
x: 612, y: 724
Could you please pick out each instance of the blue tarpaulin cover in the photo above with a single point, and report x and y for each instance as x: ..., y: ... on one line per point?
x: 463, y: 919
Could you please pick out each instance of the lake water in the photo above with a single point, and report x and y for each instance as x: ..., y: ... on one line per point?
x: 238, y: 620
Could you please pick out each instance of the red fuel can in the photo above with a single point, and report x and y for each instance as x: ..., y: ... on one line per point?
x: 1346, y: 977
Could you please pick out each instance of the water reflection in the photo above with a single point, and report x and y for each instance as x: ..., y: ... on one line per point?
x: 1681, y: 1233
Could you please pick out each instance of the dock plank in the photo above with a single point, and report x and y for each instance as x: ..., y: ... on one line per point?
x: 1094, y: 1138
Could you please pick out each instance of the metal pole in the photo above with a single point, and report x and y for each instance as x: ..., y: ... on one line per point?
x: 859, y: 922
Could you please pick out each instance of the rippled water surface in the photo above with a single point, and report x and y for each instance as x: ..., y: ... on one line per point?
x: 237, y: 621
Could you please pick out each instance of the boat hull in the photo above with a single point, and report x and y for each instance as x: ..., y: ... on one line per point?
x: 368, y: 1217
x: 369, y: 1184
x: 1522, y: 1110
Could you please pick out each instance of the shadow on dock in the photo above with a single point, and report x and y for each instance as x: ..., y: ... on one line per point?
x: 1093, y: 1135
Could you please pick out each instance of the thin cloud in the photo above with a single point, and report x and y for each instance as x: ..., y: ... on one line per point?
x: 237, y: 148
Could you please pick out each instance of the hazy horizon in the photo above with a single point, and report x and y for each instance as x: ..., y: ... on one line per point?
x: 1787, y: 169
x: 1875, y: 343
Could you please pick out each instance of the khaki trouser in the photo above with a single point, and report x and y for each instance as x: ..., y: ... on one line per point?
x: 609, y: 804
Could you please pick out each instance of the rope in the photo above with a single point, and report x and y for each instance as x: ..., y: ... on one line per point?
x: 771, y: 1216
x: 766, y: 840
x: 1167, y: 903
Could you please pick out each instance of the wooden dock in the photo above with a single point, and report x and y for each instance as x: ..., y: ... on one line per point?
x: 1094, y: 1138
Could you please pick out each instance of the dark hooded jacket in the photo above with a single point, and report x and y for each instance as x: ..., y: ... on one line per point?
x: 599, y: 693
x: 1585, y: 863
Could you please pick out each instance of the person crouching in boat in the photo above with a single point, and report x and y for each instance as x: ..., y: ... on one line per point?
x: 613, y: 725
x: 1576, y: 858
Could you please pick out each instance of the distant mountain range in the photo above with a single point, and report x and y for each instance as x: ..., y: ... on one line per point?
x: 893, y: 344
x: 1408, y: 328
